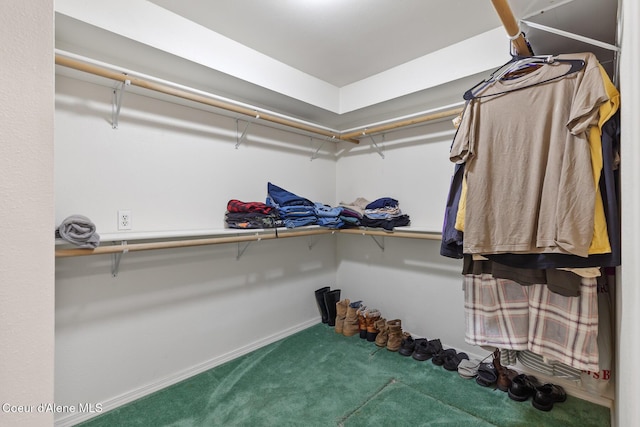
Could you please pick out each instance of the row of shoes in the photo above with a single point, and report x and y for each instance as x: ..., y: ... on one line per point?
x: 351, y: 318
x: 520, y: 387
x: 354, y: 318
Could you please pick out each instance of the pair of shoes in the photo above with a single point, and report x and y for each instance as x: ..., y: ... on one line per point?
x: 442, y: 355
x: 372, y: 318
x: 394, y: 340
x: 452, y: 361
x: 408, y: 345
x: 523, y: 387
x: 426, y: 349
x: 326, y: 300
x: 548, y: 394
x: 351, y: 325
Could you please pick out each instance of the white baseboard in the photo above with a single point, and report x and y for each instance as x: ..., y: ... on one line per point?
x: 161, y: 383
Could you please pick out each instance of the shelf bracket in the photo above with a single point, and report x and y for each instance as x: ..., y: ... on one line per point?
x: 243, y: 248
x: 315, y: 154
x: 311, y: 242
x: 115, y: 260
x: 376, y: 146
x: 118, y: 93
x: 379, y: 243
x: 242, y: 137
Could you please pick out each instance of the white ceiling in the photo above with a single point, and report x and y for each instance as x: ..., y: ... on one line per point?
x: 336, y: 63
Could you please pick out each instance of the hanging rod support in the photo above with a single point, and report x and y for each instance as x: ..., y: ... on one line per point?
x: 315, y: 154
x: 118, y: 93
x: 379, y: 243
x: 241, y: 138
x: 245, y: 246
x: 311, y: 242
x: 115, y: 260
x: 378, y: 149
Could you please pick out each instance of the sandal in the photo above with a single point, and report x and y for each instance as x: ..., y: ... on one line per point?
x: 487, y: 375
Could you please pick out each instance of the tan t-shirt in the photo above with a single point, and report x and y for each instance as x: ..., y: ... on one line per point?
x: 528, y: 170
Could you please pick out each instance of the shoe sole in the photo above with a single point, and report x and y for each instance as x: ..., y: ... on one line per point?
x: 516, y: 397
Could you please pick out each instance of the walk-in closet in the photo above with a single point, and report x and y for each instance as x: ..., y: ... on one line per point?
x: 140, y: 134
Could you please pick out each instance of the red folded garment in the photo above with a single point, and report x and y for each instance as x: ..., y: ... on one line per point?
x: 258, y: 207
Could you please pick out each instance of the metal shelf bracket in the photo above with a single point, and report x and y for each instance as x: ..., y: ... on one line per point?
x: 115, y: 260
x: 118, y: 93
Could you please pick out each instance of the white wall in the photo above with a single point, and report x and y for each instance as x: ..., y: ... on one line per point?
x: 628, y: 294
x: 409, y: 279
x: 172, y: 313
x: 173, y: 167
x: 26, y: 212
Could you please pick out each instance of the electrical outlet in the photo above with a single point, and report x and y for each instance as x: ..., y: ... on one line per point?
x: 124, y: 220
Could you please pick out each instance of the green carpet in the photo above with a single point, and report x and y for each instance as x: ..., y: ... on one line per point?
x: 319, y: 378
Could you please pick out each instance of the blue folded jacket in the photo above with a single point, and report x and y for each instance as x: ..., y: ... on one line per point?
x: 382, y: 202
x: 283, y: 197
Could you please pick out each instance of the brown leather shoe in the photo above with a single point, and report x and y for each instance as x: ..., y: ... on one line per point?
x: 341, y: 313
x: 395, y: 335
x: 372, y: 317
x: 505, y: 375
x: 351, y: 325
x: 383, y: 332
x: 362, y: 321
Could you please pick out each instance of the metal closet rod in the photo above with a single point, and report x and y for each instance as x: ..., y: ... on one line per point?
x: 349, y: 136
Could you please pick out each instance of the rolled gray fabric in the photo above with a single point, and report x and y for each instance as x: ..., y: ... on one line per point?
x: 80, y: 231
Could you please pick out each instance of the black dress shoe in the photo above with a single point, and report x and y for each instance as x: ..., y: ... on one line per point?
x: 523, y: 387
x: 548, y: 394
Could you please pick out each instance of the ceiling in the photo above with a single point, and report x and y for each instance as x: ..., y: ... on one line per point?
x: 335, y: 63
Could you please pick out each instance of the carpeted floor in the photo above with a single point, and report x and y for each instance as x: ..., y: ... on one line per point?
x: 319, y: 378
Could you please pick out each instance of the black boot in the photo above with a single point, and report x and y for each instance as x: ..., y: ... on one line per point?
x: 321, y: 304
x: 331, y: 298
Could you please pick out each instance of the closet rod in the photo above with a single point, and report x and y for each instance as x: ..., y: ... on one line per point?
x: 99, y: 71
x: 403, y: 123
x: 126, y: 247
x: 406, y: 234
x: 62, y: 253
x: 513, y: 28
x: 348, y: 135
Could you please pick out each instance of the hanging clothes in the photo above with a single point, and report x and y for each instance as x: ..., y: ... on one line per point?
x: 501, y: 313
x: 528, y: 163
x: 534, y: 194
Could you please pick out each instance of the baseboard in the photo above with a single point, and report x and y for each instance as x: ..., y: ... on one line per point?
x: 161, y: 383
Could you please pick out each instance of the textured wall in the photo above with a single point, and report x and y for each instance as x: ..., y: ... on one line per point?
x: 26, y: 212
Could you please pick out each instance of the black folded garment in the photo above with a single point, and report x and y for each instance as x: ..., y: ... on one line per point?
x: 252, y: 220
x: 388, y: 223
